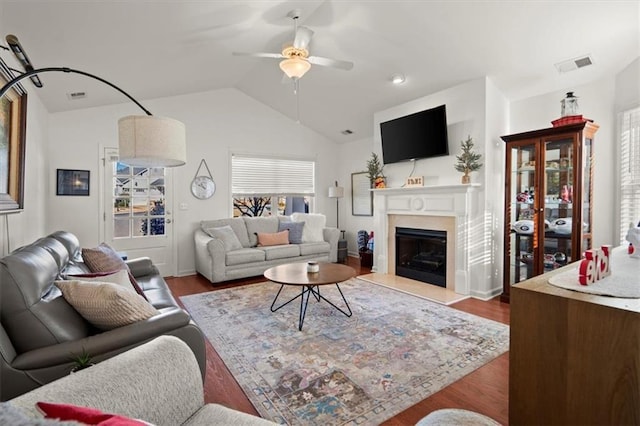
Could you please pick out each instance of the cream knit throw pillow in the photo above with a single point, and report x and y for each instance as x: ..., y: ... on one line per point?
x: 106, y: 305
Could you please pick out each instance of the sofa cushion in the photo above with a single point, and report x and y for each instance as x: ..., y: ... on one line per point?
x: 106, y: 305
x: 236, y: 223
x: 219, y: 414
x: 295, y: 230
x: 33, y: 312
x: 103, y: 259
x: 227, y: 235
x: 268, y: 225
x: 281, y: 252
x: 275, y: 239
x: 314, y: 248
x: 313, y: 226
x: 245, y: 255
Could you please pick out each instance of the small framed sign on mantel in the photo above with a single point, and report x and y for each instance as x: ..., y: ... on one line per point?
x: 414, y: 181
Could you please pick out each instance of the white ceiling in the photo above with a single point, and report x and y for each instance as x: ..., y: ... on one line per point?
x: 165, y: 48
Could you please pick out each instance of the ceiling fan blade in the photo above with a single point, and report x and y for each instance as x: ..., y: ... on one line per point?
x: 259, y: 55
x: 334, y: 63
x: 303, y: 37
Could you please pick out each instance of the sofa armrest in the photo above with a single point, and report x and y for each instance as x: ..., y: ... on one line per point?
x: 210, y: 256
x: 101, y: 346
x: 332, y: 235
x: 141, y: 266
x: 158, y: 382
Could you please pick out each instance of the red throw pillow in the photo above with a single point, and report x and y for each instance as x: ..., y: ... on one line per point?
x: 90, y: 416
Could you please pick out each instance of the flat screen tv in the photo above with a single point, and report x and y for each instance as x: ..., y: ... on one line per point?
x: 419, y: 135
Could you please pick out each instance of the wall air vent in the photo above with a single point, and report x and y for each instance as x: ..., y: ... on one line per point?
x: 76, y: 95
x: 347, y: 132
x: 574, y: 64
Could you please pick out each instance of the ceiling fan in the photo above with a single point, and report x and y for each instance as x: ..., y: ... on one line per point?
x: 295, y: 59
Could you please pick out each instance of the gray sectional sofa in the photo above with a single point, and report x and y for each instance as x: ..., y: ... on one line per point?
x: 40, y: 330
x: 219, y: 259
x: 158, y: 382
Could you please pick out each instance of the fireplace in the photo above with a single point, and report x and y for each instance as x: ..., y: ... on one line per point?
x: 421, y: 254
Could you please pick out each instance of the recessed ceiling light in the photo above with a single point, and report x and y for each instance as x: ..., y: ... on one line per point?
x: 398, y: 78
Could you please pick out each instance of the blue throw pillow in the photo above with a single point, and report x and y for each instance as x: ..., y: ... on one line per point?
x: 295, y: 231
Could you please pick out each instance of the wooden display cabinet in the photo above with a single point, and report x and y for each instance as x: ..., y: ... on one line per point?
x: 548, y: 200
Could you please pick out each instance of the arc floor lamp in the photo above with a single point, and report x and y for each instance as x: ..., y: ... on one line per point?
x: 143, y: 140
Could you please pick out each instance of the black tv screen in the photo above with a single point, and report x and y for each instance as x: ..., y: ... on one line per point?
x: 419, y: 135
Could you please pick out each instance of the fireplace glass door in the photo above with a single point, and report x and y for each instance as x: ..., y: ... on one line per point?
x: 422, y: 255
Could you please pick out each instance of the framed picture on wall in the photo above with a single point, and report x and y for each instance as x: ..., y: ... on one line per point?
x: 72, y: 182
x: 361, y: 195
x: 13, y: 122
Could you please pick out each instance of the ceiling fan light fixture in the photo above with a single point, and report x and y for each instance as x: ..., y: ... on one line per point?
x: 295, y: 67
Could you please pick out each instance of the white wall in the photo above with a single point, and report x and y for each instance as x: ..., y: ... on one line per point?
x: 596, y: 101
x: 18, y: 229
x: 217, y: 122
x: 353, y: 158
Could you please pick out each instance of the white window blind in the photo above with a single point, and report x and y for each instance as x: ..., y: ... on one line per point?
x: 629, y: 170
x: 262, y: 176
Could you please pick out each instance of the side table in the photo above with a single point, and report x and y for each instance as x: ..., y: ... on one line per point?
x: 342, y: 251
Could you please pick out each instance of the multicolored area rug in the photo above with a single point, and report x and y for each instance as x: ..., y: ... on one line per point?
x: 394, y: 351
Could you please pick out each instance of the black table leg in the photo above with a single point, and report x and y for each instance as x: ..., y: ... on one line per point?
x: 304, y: 301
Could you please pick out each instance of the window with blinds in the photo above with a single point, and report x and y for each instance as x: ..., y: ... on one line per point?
x: 263, y: 186
x: 629, y: 170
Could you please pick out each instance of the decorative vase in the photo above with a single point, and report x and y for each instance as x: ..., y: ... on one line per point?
x: 466, y: 178
x: 379, y: 183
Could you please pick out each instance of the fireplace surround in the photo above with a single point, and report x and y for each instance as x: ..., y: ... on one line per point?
x: 452, y: 209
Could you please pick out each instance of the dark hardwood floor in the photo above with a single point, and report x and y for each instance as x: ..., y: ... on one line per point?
x: 485, y: 390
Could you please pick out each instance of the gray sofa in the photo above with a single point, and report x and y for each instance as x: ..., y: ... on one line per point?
x: 216, y: 262
x: 40, y: 331
x: 158, y: 382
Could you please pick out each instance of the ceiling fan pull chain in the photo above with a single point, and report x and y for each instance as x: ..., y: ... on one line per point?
x: 297, y: 92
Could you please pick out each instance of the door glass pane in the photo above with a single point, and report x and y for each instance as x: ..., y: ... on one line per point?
x: 121, y: 228
x: 521, y: 214
x: 558, y: 202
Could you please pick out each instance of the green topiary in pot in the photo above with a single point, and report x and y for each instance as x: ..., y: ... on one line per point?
x: 468, y: 161
x: 374, y: 171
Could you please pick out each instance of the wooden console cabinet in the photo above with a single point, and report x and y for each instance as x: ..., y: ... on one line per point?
x: 574, y: 357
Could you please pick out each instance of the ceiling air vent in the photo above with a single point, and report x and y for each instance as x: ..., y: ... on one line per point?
x: 76, y: 95
x: 574, y: 64
x: 347, y: 132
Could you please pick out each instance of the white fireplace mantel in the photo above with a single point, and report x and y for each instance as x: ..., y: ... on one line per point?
x: 429, y: 205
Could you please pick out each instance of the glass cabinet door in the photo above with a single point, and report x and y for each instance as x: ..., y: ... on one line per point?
x: 558, y: 201
x: 521, y: 211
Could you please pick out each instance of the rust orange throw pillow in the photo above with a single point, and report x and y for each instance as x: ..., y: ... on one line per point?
x: 276, y: 239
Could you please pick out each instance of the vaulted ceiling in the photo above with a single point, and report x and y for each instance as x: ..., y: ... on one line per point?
x: 159, y: 49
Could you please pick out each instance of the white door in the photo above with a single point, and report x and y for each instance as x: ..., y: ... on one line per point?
x: 137, y: 220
